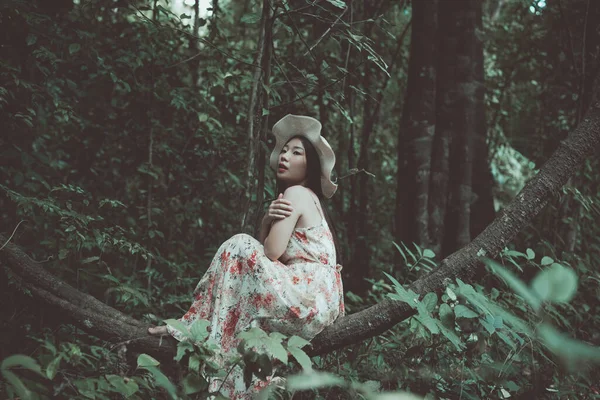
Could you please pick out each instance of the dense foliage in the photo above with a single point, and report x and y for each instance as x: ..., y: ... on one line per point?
x: 123, y: 166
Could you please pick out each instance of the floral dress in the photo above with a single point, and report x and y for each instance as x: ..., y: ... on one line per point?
x: 299, y: 294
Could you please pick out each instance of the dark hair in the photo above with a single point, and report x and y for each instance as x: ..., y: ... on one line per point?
x: 313, y: 182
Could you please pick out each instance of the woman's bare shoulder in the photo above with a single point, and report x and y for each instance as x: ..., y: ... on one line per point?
x: 298, y: 195
x: 296, y: 192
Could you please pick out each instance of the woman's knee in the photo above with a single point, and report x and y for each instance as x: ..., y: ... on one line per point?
x: 241, y: 237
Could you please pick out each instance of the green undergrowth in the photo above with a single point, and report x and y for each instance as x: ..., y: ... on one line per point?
x: 518, y: 339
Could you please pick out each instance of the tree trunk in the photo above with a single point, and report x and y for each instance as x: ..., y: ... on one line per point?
x: 195, y: 66
x: 213, y: 27
x: 362, y: 252
x: 107, y: 323
x: 444, y: 128
x: 570, y: 210
x: 457, y: 227
x: 416, y: 128
x: 458, y: 88
x: 360, y: 232
x: 482, y: 207
x: 264, y: 128
x: 254, y: 117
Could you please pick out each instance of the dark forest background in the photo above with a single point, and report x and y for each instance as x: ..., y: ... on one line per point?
x: 134, y: 140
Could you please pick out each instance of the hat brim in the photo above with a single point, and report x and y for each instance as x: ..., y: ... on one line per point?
x: 308, y: 127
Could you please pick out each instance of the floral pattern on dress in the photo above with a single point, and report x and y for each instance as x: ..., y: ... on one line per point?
x: 299, y: 294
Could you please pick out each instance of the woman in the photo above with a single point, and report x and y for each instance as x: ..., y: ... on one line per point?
x: 290, y: 283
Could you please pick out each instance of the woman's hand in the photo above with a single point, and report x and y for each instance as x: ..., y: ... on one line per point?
x: 280, y: 208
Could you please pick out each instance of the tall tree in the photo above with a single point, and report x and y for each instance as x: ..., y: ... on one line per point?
x: 255, y: 116
x: 452, y: 158
x: 416, y: 128
x: 482, y: 204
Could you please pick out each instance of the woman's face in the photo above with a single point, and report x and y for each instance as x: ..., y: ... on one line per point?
x: 292, y: 163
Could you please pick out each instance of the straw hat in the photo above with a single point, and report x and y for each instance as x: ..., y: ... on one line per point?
x: 299, y: 125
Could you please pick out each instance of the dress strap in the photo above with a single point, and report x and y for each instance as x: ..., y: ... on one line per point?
x: 318, y: 205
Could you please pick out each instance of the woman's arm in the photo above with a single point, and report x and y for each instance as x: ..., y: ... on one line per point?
x: 265, y: 226
x: 281, y: 231
x: 279, y: 208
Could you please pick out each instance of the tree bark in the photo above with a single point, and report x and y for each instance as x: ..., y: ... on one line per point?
x: 254, y: 117
x: 444, y: 126
x: 264, y: 128
x: 107, y: 323
x: 451, y: 172
x: 462, y: 26
x: 85, y: 311
x: 195, y: 66
x: 570, y: 211
x: 482, y: 207
x: 416, y: 128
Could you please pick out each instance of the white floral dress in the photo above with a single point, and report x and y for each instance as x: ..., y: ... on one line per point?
x: 300, y: 294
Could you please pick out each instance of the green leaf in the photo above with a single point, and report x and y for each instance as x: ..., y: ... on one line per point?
x: 428, y: 253
x: 277, y: 336
x: 179, y: 326
x: 182, y: 348
x: 447, y: 316
x: 52, y: 367
x: 530, y: 254
x: 570, y: 350
x: 515, y: 283
x: 430, y: 300
x: 488, y: 323
x: 278, y: 351
x: 337, y: 3
x: 251, y: 18
x: 199, y: 330
x: 74, y: 48
x: 313, y: 380
x: 150, y: 364
x: 31, y: 39
x: 547, y: 261
x: 450, y: 334
x: 302, y: 358
x: 407, y: 296
x: 298, y: 342
x: 162, y: 381
x: 194, y: 384
x: 22, y: 361
x: 461, y: 311
x: 451, y: 294
x: 557, y: 284
x: 401, y: 252
x: 395, y: 396
x: 125, y: 387
x: 144, y: 361
x: 17, y: 384
x: 194, y: 363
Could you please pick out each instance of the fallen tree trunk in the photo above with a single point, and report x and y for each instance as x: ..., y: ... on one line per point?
x: 107, y: 323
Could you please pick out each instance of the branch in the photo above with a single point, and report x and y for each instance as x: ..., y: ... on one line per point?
x: 85, y: 311
x: 375, y: 320
x: 107, y: 323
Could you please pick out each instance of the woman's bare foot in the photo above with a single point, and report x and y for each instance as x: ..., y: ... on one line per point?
x: 158, y: 330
